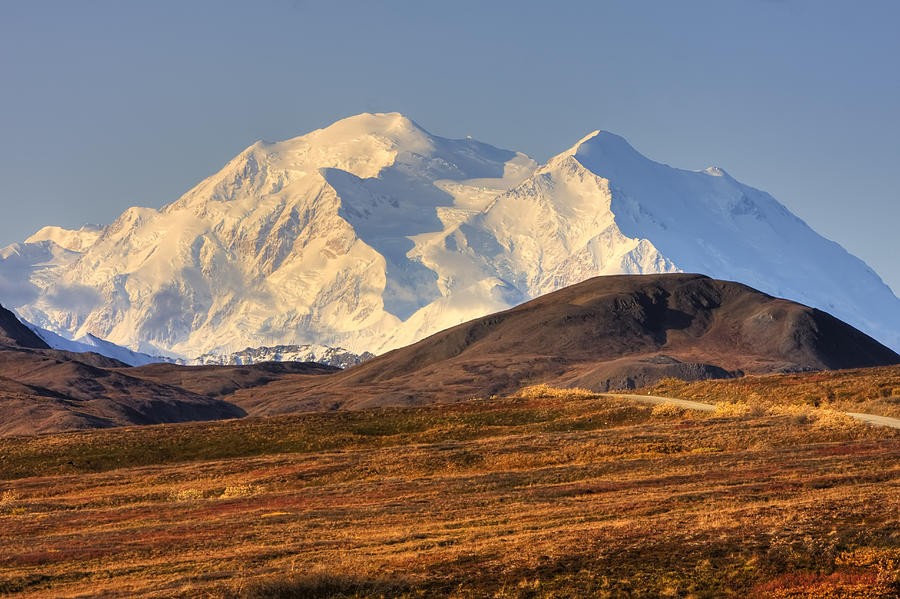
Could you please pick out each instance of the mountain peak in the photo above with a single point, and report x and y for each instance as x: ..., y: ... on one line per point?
x: 372, y: 232
x: 393, y: 126
x: 382, y: 120
x: 75, y: 240
x: 600, y: 136
x: 716, y: 171
x: 603, y: 145
x: 600, y: 150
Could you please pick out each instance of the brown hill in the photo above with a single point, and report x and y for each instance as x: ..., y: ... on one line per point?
x: 44, y: 390
x: 222, y: 381
x: 606, y: 333
x: 15, y: 334
x: 614, y: 332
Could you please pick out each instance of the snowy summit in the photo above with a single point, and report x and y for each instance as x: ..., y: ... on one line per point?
x: 372, y: 233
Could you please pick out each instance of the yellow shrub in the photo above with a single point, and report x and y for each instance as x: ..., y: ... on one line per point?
x: 833, y: 420
x: 866, y: 557
x: 667, y: 410
x: 726, y: 409
x: 800, y: 414
x: 239, y: 491
x: 543, y: 391
x: 821, y: 418
x: 186, y: 495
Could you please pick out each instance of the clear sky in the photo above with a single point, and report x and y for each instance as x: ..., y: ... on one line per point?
x: 105, y: 105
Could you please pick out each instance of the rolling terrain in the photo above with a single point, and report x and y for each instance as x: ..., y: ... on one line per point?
x: 607, y: 333
x: 871, y: 390
x: 44, y: 390
x: 221, y: 381
x: 548, y: 493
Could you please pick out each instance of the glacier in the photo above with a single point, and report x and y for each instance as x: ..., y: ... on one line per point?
x: 372, y: 233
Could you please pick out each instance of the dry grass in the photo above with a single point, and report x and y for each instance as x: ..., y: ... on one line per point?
x: 547, y: 494
x: 543, y: 391
x: 821, y: 418
x: 668, y: 410
x: 868, y: 390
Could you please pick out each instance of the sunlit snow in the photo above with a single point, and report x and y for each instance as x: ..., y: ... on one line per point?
x: 372, y: 233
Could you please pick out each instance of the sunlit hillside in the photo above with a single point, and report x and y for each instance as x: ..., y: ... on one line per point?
x: 545, y: 494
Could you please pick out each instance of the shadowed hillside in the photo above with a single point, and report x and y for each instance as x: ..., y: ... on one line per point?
x: 45, y: 390
x: 15, y: 334
x: 614, y: 332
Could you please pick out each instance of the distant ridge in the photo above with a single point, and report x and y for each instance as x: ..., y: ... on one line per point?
x: 93, y: 344
x: 329, y: 356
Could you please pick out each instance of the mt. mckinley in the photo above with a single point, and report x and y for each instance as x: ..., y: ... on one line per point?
x: 372, y: 233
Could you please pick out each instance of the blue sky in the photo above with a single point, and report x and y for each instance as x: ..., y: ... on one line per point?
x: 104, y: 105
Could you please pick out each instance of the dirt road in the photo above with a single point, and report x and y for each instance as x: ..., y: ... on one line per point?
x: 704, y: 407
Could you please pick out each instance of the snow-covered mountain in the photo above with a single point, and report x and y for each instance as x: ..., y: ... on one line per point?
x: 322, y: 354
x: 373, y: 233
x: 331, y: 356
x: 90, y: 343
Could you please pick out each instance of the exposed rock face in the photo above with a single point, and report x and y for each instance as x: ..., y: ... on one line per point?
x: 330, y: 356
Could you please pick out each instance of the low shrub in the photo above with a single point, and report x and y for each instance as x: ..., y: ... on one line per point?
x: 667, y: 409
x: 239, y: 491
x: 543, y: 391
x: 728, y: 409
x: 186, y: 495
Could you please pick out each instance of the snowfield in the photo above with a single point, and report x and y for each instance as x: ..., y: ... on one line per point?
x: 372, y: 233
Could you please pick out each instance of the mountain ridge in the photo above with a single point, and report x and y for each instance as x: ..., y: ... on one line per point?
x: 372, y: 233
x: 13, y: 333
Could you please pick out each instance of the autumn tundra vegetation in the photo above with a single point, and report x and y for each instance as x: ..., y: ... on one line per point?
x: 544, y: 493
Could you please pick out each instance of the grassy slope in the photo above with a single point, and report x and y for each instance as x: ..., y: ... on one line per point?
x: 867, y: 390
x: 546, y: 495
